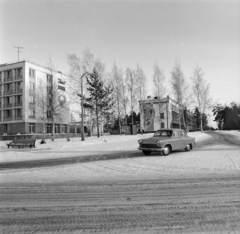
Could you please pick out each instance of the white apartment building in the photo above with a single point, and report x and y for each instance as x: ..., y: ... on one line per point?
x: 18, y: 84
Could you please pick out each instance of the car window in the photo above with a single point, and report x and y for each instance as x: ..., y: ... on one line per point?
x: 163, y: 133
x: 183, y: 134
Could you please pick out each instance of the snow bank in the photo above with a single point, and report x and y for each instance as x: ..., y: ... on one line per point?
x: 204, y: 159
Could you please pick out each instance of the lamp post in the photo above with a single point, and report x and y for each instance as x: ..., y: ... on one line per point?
x: 82, y: 126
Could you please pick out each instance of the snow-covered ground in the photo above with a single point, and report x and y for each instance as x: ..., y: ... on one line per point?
x: 204, y: 159
x: 63, y: 148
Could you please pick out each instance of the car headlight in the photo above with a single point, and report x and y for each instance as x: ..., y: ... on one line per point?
x: 159, y: 143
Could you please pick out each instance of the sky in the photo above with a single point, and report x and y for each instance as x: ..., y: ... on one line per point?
x: 200, y: 32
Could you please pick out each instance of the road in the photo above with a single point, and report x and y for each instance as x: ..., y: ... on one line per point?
x: 204, y: 204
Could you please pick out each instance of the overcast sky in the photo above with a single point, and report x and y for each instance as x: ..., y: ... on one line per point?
x: 203, y: 32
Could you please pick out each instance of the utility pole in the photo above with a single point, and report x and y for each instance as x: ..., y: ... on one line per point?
x: 18, y: 47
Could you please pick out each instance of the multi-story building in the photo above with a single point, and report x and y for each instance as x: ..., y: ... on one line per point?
x: 19, y: 82
x: 156, y: 113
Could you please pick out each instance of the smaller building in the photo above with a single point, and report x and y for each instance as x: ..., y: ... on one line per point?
x: 157, y: 113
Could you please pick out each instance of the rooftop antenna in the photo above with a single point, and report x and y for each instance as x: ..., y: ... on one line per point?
x: 18, y: 47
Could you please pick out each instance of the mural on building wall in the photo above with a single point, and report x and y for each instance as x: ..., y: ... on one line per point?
x: 148, y: 116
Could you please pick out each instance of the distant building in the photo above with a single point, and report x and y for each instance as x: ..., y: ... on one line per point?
x: 18, y: 84
x: 156, y: 113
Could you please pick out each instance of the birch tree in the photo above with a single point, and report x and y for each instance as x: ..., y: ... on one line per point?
x: 49, y: 106
x: 131, y: 83
x: 201, y: 92
x: 141, y: 83
x: 159, y: 88
x: 180, y: 90
x: 158, y: 81
x: 117, y: 82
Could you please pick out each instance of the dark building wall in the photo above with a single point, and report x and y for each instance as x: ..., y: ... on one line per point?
x: 15, y: 128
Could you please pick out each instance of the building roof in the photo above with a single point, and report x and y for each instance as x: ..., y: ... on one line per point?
x: 34, y: 63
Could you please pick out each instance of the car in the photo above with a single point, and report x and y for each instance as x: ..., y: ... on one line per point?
x: 166, y: 141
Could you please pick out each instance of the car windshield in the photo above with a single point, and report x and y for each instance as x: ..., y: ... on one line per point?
x: 166, y: 133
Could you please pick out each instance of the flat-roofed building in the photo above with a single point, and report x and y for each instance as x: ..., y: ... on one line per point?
x: 157, y: 113
x: 19, y: 83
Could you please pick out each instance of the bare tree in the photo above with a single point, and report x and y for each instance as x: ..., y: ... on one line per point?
x: 201, y: 92
x: 125, y: 99
x: 117, y: 82
x: 180, y: 89
x: 131, y: 82
x: 40, y: 99
x: 158, y: 81
x: 50, y: 104
x: 141, y: 83
x: 159, y: 88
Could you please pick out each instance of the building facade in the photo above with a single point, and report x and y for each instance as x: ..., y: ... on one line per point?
x: 18, y: 85
x: 156, y: 113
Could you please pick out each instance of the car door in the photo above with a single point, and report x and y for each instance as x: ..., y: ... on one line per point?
x: 182, y: 139
x: 176, y: 140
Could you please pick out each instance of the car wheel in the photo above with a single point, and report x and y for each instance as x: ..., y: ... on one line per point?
x: 166, y: 150
x: 147, y: 152
x: 188, y: 147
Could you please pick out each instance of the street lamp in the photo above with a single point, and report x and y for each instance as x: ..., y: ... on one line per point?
x: 82, y: 127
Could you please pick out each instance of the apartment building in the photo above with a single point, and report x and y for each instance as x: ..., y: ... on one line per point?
x: 18, y: 84
x: 156, y: 113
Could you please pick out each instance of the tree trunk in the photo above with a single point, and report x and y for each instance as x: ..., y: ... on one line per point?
x: 119, y: 122
x: 201, y: 121
x: 53, y: 126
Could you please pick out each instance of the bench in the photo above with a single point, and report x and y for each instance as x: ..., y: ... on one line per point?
x: 22, y: 143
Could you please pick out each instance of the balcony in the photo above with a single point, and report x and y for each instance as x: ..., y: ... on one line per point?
x: 18, y: 77
x: 7, y: 105
x: 8, y: 79
x: 32, y: 117
x: 8, y: 92
x: 18, y: 118
x: 18, y: 91
x: 18, y: 104
x: 8, y: 118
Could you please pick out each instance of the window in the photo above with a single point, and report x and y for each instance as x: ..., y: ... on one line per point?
x: 32, y: 86
x: 8, y: 74
x: 49, y: 128
x: 49, y: 114
x: 18, y: 113
x: 31, y: 99
x: 19, y: 85
x: 31, y: 112
x: 31, y: 73
x: 64, y: 128
x: 18, y: 72
x: 162, y: 125
x: 182, y: 134
x: 57, y: 128
x: 8, y: 100
x: 9, y: 87
x: 7, y: 127
x: 162, y: 115
x: 8, y: 114
x: 19, y: 99
x: 31, y: 127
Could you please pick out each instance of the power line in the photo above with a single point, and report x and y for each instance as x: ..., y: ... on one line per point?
x: 18, y: 47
